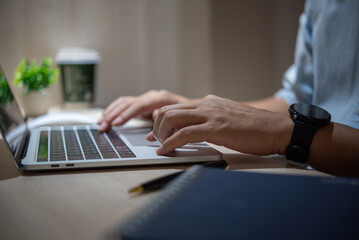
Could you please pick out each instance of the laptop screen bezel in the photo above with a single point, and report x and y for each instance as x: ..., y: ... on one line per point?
x: 22, y: 142
x: 18, y: 154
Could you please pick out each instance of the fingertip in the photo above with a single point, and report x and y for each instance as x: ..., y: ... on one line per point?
x: 103, y: 127
x: 160, y: 150
x: 150, y: 137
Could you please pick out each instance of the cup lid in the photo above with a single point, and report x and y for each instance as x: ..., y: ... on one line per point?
x: 77, y: 55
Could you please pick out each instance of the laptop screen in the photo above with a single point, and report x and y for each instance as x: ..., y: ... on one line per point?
x: 12, y: 123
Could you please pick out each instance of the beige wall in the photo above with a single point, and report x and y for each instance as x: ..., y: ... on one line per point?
x: 253, y: 45
x: 237, y: 49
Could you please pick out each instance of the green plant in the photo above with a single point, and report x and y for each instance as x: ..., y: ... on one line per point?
x: 5, y: 92
x: 35, y: 77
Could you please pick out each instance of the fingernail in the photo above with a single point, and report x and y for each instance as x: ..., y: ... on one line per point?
x: 149, y: 137
x: 117, y: 121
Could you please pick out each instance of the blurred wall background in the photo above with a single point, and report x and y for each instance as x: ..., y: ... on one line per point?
x: 233, y: 48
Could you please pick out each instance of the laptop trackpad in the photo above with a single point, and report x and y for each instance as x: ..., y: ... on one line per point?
x: 137, y: 137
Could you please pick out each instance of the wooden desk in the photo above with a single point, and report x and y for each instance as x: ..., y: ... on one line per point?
x: 85, y: 204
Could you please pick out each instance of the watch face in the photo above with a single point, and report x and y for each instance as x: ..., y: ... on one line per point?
x: 310, y: 113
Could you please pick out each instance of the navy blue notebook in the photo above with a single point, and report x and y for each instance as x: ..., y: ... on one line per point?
x: 206, y: 203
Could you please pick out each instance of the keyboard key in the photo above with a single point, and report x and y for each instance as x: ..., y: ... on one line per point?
x: 75, y: 157
x: 88, y: 147
x: 73, y: 149
x: 42, y: 152
x: 122, y: 149
x: 103, y: 145
x: 57, y: 152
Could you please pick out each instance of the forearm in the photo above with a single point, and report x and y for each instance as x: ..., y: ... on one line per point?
x: 271, y: 104
x: 335, y: 150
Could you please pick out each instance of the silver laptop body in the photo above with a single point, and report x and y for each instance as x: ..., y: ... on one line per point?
x: 82, y: 146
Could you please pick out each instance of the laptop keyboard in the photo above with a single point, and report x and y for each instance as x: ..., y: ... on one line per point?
x: 80, y: 143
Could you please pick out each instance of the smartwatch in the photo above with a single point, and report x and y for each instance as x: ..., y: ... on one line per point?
x: 307, y: 120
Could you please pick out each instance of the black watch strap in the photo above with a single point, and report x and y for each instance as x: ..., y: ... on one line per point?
x: 302, y: 136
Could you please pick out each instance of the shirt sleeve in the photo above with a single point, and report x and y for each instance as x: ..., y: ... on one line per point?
x: 297, y: 82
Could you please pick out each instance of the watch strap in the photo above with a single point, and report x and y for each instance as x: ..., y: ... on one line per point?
x: 302, y: 136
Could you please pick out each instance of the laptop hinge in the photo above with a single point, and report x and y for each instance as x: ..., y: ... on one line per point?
x: 26, y: 145
x: 21, y: 151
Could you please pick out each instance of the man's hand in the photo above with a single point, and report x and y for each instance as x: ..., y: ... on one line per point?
x: 222, y: 122
x: 145, y: 105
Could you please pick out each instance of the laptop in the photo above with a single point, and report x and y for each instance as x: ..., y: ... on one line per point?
x: 82, y: 146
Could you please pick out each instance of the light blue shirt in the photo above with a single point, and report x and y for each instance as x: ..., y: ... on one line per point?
x: 326, y: 65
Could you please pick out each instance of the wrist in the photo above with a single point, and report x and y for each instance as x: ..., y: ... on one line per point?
x: 307, y: 120
x: 285, y: 134
x: 176, y: 98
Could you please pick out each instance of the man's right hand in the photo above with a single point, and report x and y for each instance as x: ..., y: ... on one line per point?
x: 145, y: 106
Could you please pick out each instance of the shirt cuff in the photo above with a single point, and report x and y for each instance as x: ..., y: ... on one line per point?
x: 286, y: 95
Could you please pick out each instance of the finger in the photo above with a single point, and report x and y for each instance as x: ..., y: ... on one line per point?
x: 119, y: 101
x: 150, y: 137
x: 117, y: 121
x: 104, y: 127
x: 155, y: 113
x: 190, y: 134
x: 165, y: 109
x: 134, y: 110
x: 177, y: 119
x: 110, y: 108
x: 117, y: 111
